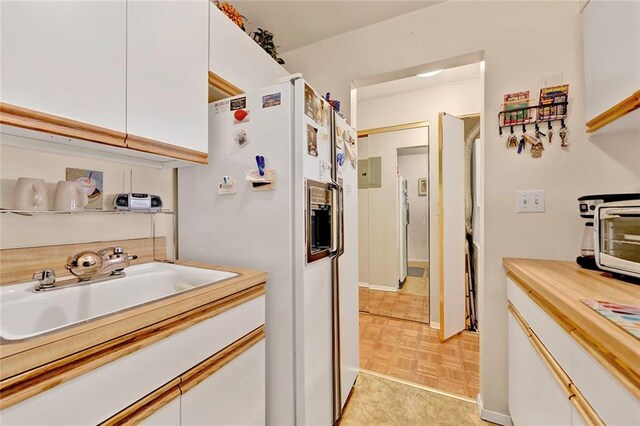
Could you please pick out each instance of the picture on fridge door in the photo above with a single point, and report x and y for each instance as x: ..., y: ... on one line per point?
x: 309, y: 102
x: 312, y: 140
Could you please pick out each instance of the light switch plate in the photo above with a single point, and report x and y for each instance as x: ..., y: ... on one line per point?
x: 530, y: 201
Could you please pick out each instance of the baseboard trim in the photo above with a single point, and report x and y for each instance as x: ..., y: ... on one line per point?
x: 492, y: 416
x: 435, y: 325
x: 361, y: 284
x: 383, y: 288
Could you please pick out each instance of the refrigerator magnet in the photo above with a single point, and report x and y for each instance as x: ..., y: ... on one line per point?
x: 312, y: 140
x: 271, y: 100
x: 241, y: 116
x: 240, y: 136
x: 309, y: 104
x: 239, y: 103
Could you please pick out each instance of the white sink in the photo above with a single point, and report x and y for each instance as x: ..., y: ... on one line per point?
x: 25, y: 313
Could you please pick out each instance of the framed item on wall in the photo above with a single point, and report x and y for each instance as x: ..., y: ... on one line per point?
x: 422, y: 187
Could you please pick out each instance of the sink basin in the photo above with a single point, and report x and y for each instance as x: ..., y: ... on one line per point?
x: 25, y: 313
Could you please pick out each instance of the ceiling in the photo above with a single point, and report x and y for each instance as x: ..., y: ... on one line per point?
x: 393, y: 87
x: 302, y: 22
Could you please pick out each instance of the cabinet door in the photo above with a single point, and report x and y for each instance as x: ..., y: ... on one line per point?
x: 235, y: 394
x: 169, y: 415
x: 535, y: 396
x: 167, y: 69
x: 611, y: 53
x: 66, y: 58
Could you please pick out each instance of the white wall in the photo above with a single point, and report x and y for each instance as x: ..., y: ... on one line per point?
x: 38, y: 230
x: 363, y: 220
x: 589, y: 166
x: 414, y: 167
x: 460, y: 98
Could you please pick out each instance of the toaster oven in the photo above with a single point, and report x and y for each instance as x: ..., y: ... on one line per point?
x: 617, y: 237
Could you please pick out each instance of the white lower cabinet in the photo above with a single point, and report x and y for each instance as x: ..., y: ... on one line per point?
x: 535, y: 396
x: 234, y: 395
x: 169, y: 415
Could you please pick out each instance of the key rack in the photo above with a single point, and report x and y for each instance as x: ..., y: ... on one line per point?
x: 535, y: 114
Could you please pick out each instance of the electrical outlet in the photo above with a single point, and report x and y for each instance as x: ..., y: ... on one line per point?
x: 530, y: 201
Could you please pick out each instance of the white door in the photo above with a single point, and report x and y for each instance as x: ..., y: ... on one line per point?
x: 167, y: 71
x: 451, y: 224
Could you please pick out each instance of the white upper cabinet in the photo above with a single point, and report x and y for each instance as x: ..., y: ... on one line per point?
x: 66, y: 58
x: 235, y: 57
x: 167, y: 67
x: 611, y: 54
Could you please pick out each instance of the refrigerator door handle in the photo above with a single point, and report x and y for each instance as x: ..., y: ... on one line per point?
x: 335, y: 223
x: 340, y: 220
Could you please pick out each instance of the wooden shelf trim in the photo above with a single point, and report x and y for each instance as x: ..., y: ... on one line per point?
x: 573, y: 394
x: 223, y: 85
x: 145, y: 407
x: 25, y: 385
x: 615, y: 112
x: 151, y: 146
x: 616, y: 366
x: 25, y: 118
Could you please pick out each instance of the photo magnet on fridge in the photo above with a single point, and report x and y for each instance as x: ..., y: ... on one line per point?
x: 309, y: 102
x: 271, y: 100
x: 241, y: 116
x: 240, y: 136
x: 312, y: 140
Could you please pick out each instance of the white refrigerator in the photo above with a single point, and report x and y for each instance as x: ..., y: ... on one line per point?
x: 403, y: 230
x: 298, y: 222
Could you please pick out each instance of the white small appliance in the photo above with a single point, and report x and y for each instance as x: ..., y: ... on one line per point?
x: 617, y: 237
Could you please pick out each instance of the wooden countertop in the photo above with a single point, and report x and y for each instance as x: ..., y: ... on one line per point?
x: 558, y: 286
x: 20, y: 356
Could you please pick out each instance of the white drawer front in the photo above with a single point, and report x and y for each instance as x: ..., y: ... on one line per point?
x: 613, y: 403
x: 233, y: 395
x: 554, y: 338
x: 169, y: 415
x: 96, y: 396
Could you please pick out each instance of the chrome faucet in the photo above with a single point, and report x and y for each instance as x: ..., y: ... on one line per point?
x: 114, y: 260
x: 89, y: 267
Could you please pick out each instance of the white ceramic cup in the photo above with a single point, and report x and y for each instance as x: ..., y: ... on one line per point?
x: 30, y: 194
x: 69, y: 197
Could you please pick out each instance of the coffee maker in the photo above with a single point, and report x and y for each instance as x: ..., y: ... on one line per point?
x: 587, y: 205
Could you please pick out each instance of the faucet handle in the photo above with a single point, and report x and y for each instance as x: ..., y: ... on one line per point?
x: 118, y: 250
x: 46, y: 277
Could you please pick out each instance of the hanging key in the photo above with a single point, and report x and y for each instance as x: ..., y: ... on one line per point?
x: 550, y: 132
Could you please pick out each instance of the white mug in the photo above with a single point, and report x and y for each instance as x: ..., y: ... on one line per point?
x: 69, y: 197
x: 30, y: 194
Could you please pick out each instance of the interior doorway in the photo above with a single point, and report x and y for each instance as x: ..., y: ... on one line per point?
x: 394, y: 221
x: 402, y: 317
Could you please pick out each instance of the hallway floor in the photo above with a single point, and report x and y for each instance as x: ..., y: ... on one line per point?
x: 412, y: 351
x: 384, y: 401
x: 411, y: 302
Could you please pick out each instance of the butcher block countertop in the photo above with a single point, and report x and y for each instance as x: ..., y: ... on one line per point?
x: 558, y: 286
x: 112, y: 332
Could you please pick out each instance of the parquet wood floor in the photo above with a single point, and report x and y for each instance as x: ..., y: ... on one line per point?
x: 413, y: 352
x: 411, y: 302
